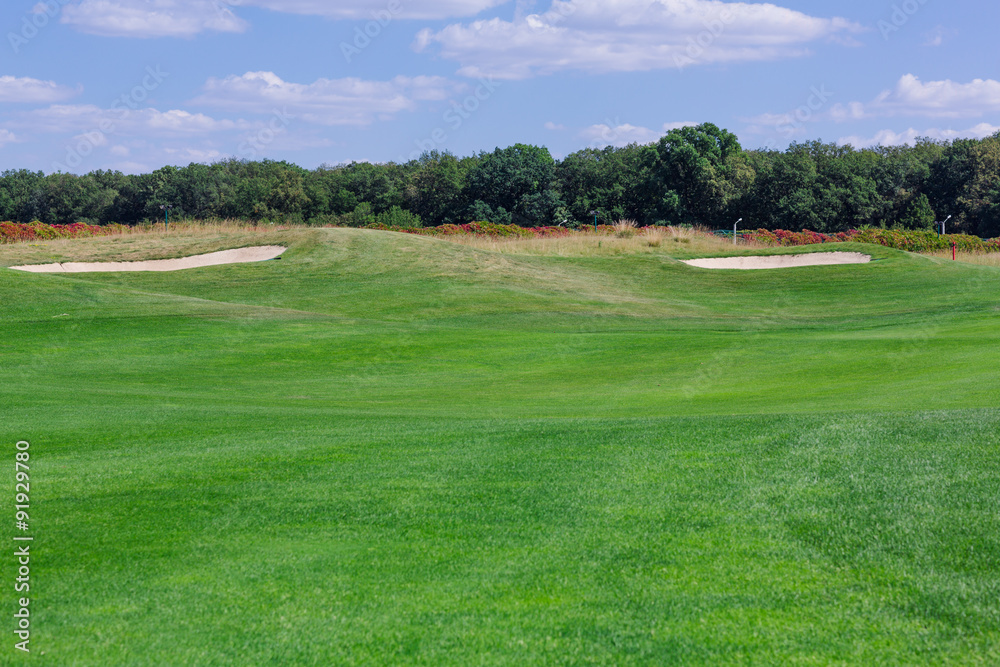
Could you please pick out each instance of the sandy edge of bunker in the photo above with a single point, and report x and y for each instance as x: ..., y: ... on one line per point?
x: 780, y: 261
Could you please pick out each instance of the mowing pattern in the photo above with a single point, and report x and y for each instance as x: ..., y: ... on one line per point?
x: 389, y: 449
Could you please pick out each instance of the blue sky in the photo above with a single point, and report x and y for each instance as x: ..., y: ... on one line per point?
x: 134, y: 85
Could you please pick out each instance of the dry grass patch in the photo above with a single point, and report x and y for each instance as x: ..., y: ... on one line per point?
x: 625, y: 229
x: 981, y: 258
x: 672, y: 241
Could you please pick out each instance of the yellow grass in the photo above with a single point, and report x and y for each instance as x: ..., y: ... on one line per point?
x: 982, y: 258
x: 673, y: 241
x: 202, y: 227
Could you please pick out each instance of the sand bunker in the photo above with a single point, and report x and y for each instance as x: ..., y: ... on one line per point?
x: 235, y: 256
x: 781, y: 261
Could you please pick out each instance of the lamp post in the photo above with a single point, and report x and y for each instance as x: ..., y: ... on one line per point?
x: 594, y: 213
x: 166, y: 211
x: 734, y: 229
x: 942, y: 224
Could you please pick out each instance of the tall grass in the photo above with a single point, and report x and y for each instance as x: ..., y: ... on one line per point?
x: 625, y: 228
x: 205, y: 227
x: 981, y: 258
x: 648, y: 240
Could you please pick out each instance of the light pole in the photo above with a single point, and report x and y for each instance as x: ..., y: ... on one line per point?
x: 942, y: 224
x: 734, y: 229
x: 166, y: 211
x: 594, y: 213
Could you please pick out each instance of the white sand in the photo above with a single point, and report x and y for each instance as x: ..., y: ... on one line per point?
x: 781, y: 261
x: 235, y: 256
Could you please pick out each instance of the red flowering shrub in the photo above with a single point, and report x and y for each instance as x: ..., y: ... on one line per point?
x: 911, y: 240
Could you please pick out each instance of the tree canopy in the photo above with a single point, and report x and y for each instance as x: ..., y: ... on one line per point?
x: 692, y: 175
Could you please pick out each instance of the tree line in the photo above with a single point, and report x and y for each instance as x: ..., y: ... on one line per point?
x: 692, y: 175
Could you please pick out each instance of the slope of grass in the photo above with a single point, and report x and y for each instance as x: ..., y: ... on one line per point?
x: 385, y: 449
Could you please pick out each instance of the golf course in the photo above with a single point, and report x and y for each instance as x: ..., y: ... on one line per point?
x: 390, y: 449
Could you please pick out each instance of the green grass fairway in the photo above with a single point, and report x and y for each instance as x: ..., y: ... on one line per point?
x: 390, y: 449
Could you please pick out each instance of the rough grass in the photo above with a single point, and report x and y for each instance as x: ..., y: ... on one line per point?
x: 669, y: 241
x: 980, y: 258
x: 387, y: 449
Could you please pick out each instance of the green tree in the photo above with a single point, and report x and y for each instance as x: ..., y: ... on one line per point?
x: 613, y: 181
x: 513, y: 184
x: 434, y: 191
x: 21, y: 195
x: 67, y: 198
x: 979, y: 198
x: 361, y: 216
x: 919, y: 214
x: 692, y: 174
x: 397, y: 217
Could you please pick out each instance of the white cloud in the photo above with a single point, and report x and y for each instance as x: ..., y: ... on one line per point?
x: 187, y: 18
x: 380, y: 9
x: 131, y: 167
x: 86, y: 136
x: 152, y: 18
x: 769, y: 120
x: 893, y: 138
x: 348, y: 101
x: 177, y: 121
x: 600, y: 36
x: 910, y: 97
x: 555, y: 127
x: 86, y: 119
x: 272, y: 107
x: 95, y: 138
x: 23, y: 89
x: 938, y: 35
x: 622, y: 134
x: 189, y: 154
x: 934, y: 99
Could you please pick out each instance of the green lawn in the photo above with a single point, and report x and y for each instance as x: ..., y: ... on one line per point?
x: 389, y: 449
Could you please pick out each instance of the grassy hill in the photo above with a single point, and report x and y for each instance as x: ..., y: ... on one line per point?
x: 390, y: 449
